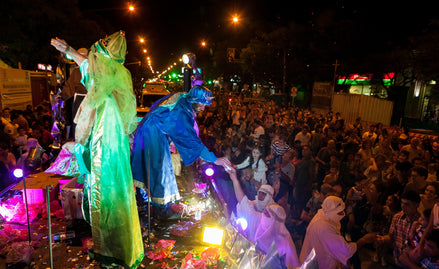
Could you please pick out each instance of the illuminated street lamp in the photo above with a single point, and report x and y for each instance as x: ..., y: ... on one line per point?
x: 189, y: 62
x: 130, y: 8
x: 142, y: 40
x: 145, y: 51
x: 235, y: 19
x: 191, y: 74
x: 203, y: 43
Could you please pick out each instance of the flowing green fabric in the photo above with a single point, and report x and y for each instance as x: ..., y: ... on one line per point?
x: 111, y: 77
x: 110, y: 205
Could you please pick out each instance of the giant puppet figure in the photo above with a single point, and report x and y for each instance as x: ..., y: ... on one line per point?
x: 105, y: 119
x: 170, y: 119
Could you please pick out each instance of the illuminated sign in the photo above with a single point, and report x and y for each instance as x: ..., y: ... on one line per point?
x: 45, y: 67
x: 364, y: 79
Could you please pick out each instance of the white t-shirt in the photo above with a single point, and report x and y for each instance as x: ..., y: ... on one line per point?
x: 303, y: 138
x: 259, y: 173
x: 258, y: 132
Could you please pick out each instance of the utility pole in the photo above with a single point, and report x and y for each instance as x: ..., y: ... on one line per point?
x: 333, y: 82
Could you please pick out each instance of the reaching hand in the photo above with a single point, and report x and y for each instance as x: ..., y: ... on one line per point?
x: 232, y: 174
x: 370, y: 237
x: 224, y: 162
x: 59, y: 44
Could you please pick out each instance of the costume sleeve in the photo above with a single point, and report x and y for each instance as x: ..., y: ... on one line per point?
x: 178, y: 124
x: 208, y: 156
x: 244, y: 164
x: 84, y: 72
x: 340, y: 249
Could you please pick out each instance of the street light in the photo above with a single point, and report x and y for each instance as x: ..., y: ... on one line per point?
x: 131, y: 8
x: 191, y: 74
x: 235, y: 18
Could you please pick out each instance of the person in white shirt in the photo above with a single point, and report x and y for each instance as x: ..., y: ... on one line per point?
x: 323, y: 235
x: 10, y: 127
x: 303, y: 136
x: 414, y: 149
x: 21, y: 140
x: 258, y: 131
x: 257, y: 163
x: 370, y: 134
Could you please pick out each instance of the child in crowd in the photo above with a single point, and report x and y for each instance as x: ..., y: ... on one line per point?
x: 258, y: 167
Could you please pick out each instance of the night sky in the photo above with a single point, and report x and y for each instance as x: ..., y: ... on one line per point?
x: 174, y: 27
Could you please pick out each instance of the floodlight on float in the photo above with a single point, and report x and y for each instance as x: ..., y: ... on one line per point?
x: 189, y: 59
x: 209, y: 171
x: 185, y: 58
x: 212, y: 235
x: 242, y: 223
x: 18, y: 173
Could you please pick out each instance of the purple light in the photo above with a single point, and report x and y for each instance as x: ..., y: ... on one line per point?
x: 18, y: 173
x: 209, y: 172
x: 242, y: 223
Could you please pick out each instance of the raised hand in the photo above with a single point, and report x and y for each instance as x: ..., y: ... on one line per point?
x: 59, y: 44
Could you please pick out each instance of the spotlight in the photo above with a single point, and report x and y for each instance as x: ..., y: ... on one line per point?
x: 189, y: 59
x: 242, y: 223
x: 213, y: 236
x: 209, y: 171
x: 185, y: 58
x: 18, y: 173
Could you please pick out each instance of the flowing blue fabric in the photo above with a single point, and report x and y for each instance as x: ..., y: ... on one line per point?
x: 171, y: 118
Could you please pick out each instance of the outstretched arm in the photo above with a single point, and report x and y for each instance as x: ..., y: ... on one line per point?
x: 236, y: 185
x: 63, y: 47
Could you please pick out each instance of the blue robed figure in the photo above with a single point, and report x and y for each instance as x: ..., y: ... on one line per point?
x: 172, y: 118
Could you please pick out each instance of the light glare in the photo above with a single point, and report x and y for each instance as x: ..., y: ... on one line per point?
x: 242, y: 223
x: 213, y: 236
x: 209, y: 172
x: 18, y: 173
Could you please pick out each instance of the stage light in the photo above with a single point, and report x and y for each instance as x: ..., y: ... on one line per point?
x: 18, y: 173
x: 189, y: 59
x: 213, y: 235
x: 209, y: 171
x: 185, y: 59
x: 242, y: 223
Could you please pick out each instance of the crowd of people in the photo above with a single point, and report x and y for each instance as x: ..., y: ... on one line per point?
x: 20, y: 130
x: 385, y: 178
x: 359, y: 183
